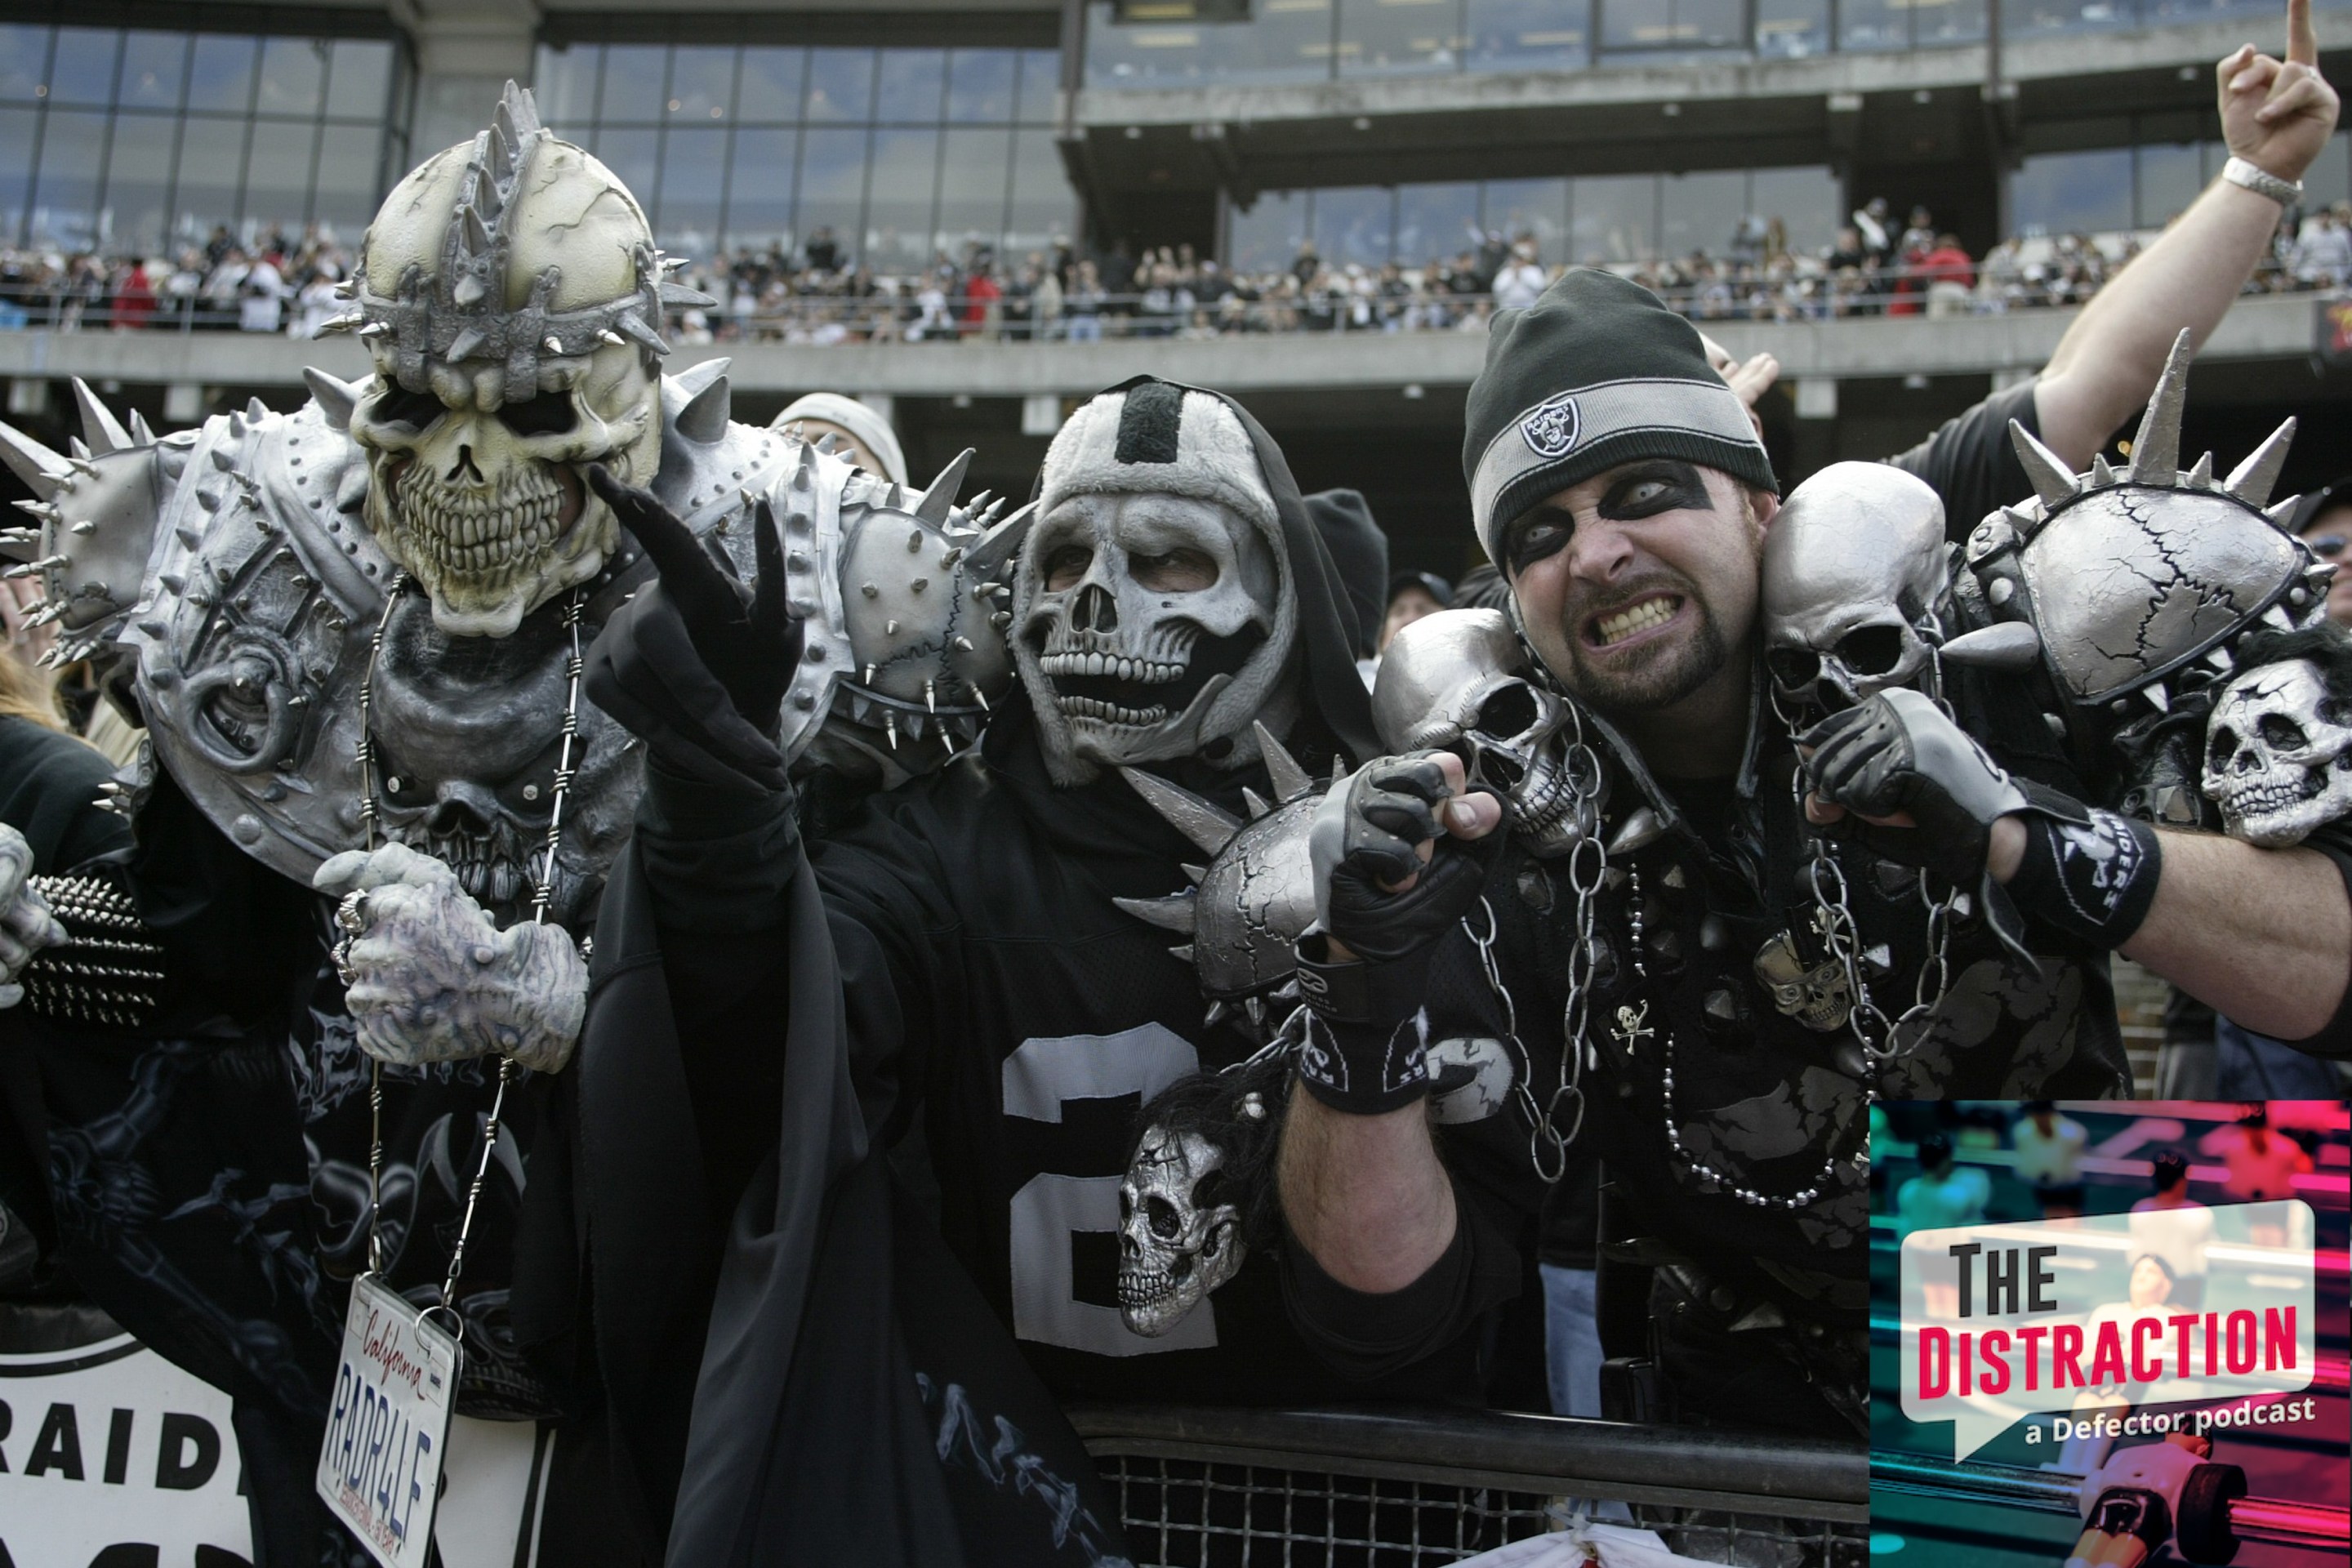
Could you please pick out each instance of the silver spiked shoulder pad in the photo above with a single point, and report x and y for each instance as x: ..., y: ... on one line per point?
x: 95, y: 512
x: 1250, y: 904
x: 901, y: 591
x: 2139, y: 581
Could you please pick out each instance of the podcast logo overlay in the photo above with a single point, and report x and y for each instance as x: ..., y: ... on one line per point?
x: 2101, y: 1319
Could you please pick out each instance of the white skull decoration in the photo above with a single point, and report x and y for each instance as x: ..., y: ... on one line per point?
x: 1153, y: 613
x: 2277, y: 762
x: 1856, y: 573
x: 1457, y: 682
x: 511, y: 299
x: 1172, y: 1248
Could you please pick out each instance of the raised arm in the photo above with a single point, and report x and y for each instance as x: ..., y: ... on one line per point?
x: 2276, y: 115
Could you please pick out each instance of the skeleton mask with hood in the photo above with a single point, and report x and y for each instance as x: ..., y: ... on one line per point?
x: 1174, y: 591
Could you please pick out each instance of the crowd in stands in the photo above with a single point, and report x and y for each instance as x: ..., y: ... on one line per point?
x: 817, y: 293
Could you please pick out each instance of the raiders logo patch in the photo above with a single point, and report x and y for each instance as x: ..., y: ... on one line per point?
x: 1552, y: 430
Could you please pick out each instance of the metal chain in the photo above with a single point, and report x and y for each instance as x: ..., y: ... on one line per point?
x: 366, y: 750
x: 540, y: 895
x: 1543, y: 1128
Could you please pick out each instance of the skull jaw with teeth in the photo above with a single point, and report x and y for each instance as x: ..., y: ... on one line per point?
x: 2278, y: 759
x: 481, y: 501
x: 1456, y: 681
x: 1174, y: 1248
x: 1148, y: 627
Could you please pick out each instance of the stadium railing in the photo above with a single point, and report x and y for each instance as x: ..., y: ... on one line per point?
x: 1382, y: 1487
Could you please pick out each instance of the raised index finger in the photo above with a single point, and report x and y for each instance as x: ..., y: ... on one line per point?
x: 691, y: 578
x: 2302, y: 38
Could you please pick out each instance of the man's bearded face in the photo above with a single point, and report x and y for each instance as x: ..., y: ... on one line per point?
x: 1635, y: 585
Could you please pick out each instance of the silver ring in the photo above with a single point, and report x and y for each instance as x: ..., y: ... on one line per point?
x: 352, y: 913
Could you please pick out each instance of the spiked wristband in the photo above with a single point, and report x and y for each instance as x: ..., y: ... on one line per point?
x: 2086, y: 871
x: 1367, y: 1038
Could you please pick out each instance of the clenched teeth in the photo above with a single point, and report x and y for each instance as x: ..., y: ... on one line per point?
x: 1150, y: 672
x: 1641, y: 618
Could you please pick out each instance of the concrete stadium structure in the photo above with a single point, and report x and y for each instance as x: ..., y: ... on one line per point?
x: 1239, y: 127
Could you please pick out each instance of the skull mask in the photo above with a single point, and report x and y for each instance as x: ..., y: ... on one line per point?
x: 1456, y: 681
x: 1174, y: 1246
x: 509, y: 295
x: 1855, y: 573
x: 2277, y: 761
x: 1154, y: 617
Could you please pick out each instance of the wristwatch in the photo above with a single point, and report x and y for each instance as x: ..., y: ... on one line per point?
x: 2262, y: 182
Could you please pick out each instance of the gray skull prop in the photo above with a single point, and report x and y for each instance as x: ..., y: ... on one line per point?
x: 1854, y: 578
x: 1173, y: 1250
x: 2277, y: 762
x: 1457, y: 681
x: 1254, y: 899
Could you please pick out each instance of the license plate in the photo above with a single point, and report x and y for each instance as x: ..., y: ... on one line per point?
x: 379, y: 1468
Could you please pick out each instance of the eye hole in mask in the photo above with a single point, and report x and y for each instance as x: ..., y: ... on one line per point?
x: 398, y: 405
x: 551, y: 414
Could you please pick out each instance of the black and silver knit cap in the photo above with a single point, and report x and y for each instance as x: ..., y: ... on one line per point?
x: 1596, y: 373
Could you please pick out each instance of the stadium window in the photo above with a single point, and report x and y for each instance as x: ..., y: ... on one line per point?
x: 760, y: 187
x: 1701, y: 212
x: 149, y: 142
x: 1147, y: 44
x: 2022, y: 19
x: 636, y: 82
x: 1264, y: 236
x: 1614, y: 218
x: 1791, y: 29
x: 692, y: 195
x: 1514, y: 210
x: 1435, y: 222
x: 1523, y: 35
x: 1355, y: 226
x: 1808, y: 204
x: 1400, y: 38
x: 2166, y: 179
x: 1666, y: 28
x: 2070, y: 192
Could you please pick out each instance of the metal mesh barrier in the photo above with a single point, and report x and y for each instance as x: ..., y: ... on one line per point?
x: 1272, y: 1490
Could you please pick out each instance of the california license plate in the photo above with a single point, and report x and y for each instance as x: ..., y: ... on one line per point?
x: 387, y: 1430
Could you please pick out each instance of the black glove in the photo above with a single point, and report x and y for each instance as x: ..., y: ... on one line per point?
x: 695, y: 664
x: 1367, y: 1037
x: 2086, y: 871
x: 1899, y: 752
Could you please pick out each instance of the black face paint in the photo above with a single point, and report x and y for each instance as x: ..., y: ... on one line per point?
x: 1642, y: 489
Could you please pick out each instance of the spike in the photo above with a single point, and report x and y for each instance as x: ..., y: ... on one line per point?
x: 895, y: 498
x: 2282, y: 513
x: 870, y: 590
x: 333, y: 325
x: 1282, y: 770
x: 501, y: 156
x: 1255, y: 802
x: 44, y: 612
x: 222, y: 458
x: 1182, y: 953
x: 2005, y: 645
x: 941, y: 495
x: 930, y: 703
x: 610, y: 338
x: 869, y: 674
x: 1205, y: 825
x: 947, y: 562
x: 2102, y: 474
x: 962, y: 645
x: 463, y: 345
x: 255, y: 410
x: 707, y: 413
x: 140, y: 435
x: 2276, y: 615
x: 982, y: 698
x: 349, y: 288
x: 99, y: 426
x: 1001, y: 619
x: 1213, y: 1017
x: 77, y: 449
x: 44, y: 471
x: 375, y: 329
x: 2201, y: 476
x: 2156, y: 449
x: 914, y: 726
x: 890, y: 628
x: 2219, y: 657
x: 1196, y: 875
x: 84, y: 527
x: 1177, y: 913
x: 2251, y: 480
x: 20, y: 536
x: 551, y: 343
x: 2052, y: 481
x: 336, y: 398
x: 1256, y: 1008
x: 518, y: 113
x: 46, y: 510
x: 914, y: 541
x: 2157, y: 696
x: 1640, y: 827
x: 890, y: 728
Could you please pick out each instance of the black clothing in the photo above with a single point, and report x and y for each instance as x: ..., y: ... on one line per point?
x: 48, y: 783
x: 1969, y: 461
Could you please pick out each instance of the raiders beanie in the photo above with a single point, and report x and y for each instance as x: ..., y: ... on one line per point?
x: 1596, y: 373
x: 1160, y: 438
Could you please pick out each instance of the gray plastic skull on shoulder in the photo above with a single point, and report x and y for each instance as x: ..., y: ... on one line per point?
x: 2278, y: 753
x: 2139, y: 581
x: 1457, y: 681
x: 1854, y: 577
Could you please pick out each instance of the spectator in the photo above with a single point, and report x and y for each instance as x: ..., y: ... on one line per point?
x: 2323, y: 520
x: 823, y: 252
x: 873, y: 443
x: 2174, y: 1226
x: 134, y: 299
x: 2323, y: 249
x: 1942, y: 1194
x: 2262, y: 1164
x: 1412, y: 594
x: 2049, y: 1157
x: 1083, y: 307
x: 1950, y: 276
x: 1521, y: 282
